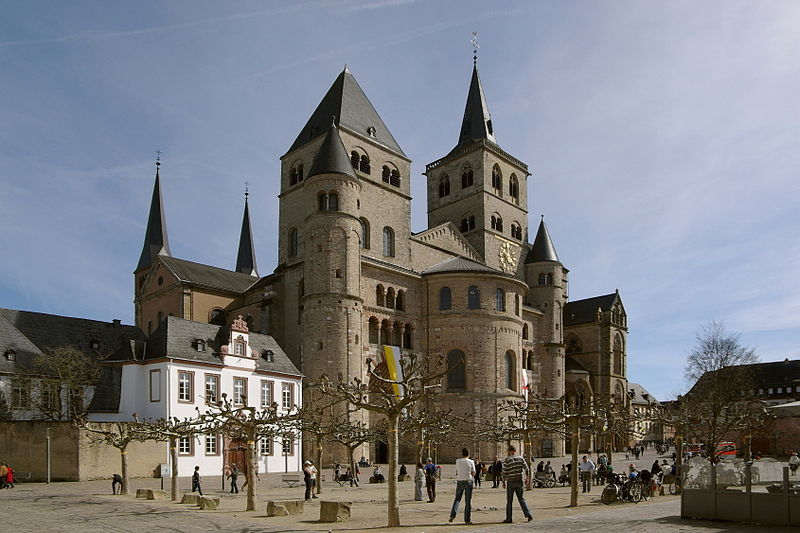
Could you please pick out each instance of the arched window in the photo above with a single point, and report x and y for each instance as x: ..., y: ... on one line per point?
x: 445, y: 299
x: 497, y: 179
x: 494, y: 222
x: 333, y: 202
x: 542, y: 279
x: 513, y: 188
x: 573, y: 344
x: 464, y: 227
x: 525, y: 334
x: 323, y: 201
x: 456, y: 374
x: 473, y: 297
x: 364, y: 233
x: 293, y: 243
x: 549, y: 279
x: 472, y: 222
x: 400, y: 301
x: 373, y: 330
x: 499, y: 223
x: 293, y: 176
x: 363, y: 164
x: 500, y: 300
x: 394, y: 179
x: 217, y: 317
x: 467, y: 177
x: 390, y: 298
x: 530, y: 360
x: 380, y: 299
x: 516, y: 304
x: 511, y: 376
x: 354, y: 159
x: 618, y: 350
x: 408, y: 339
x: 385, y: 174
x: 444, y: 186
x: 516, y: 231
x: 300, y: 172
x: 388, y: 242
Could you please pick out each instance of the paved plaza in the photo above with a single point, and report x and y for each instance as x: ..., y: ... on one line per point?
x: 89, y: 507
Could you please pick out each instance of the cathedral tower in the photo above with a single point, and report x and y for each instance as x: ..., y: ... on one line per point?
x: 481, y: 188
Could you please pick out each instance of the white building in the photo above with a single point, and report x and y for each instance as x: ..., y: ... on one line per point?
x: 181, y: 368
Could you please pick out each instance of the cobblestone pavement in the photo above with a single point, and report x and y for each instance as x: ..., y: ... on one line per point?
x: 88, y: 507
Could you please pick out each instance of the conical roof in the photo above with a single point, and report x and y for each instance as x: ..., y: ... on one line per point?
x: 346, y: 101
x: 477, y: 122
x: 543, y: 249
x: 332, y: 157
x: 155, y: 237
x: 246, y: 258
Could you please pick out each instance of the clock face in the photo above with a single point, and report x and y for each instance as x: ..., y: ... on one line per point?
x: 506, y: 257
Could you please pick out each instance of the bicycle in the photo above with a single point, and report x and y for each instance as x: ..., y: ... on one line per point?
x: 675, y: 486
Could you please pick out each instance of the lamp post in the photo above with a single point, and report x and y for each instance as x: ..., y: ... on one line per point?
x: 47, y: 447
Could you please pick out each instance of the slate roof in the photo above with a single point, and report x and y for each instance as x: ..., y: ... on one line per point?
x: 542, y: 249
x: 571, y: 365
x: 477, y: 122
x: 332, y: 157
x: 246, y: 258
x: 583, y: 311
x: 155, y: 237
x: 176, y: 338
x: 765, y: 375
x: 346, y: 101
x: 208, y: 276
x: 640, y: 396
x: 460, y: 264
x: 30, y: 334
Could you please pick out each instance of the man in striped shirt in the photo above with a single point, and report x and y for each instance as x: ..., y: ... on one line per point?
x: 515, y: 471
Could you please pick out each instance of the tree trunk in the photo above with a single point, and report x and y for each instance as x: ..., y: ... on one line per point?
x: 421, y: 445
x: 250, y: 474
x: 351, y: 459
x: 576, y: 435
x: 123, y: 459
x: 318, y: 463
x: 173, y: 457
x: 394, y: 505
x: 529, y: 454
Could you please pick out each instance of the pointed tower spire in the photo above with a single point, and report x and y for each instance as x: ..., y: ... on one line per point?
x: 543, y: 249
x: 246, y: 258
x: 155, y: 238
x: 332, y: 157
x: 477, y: 123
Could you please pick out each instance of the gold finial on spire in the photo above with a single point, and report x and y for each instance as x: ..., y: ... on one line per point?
x: 475, y: 47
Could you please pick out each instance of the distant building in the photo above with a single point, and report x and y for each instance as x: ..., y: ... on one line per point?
x: 644, y: 407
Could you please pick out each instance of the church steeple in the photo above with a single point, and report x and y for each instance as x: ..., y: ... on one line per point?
x: 155, y: 238
x: 246, y: 258
x: 543, y: 249
x: 477, y: 123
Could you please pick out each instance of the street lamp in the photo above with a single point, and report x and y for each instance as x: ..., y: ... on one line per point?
x: 47, y: 447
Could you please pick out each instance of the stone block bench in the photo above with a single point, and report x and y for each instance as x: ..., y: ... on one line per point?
x: 157, y: 495
x: 284, y: 507
x: 141, y: 493
x: 207, y: 503
x: 334, y: 511
x: 192, y: 499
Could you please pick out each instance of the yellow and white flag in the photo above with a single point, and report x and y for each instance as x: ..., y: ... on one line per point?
x: 391, y: 355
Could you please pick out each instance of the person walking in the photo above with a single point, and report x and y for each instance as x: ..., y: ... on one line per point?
x: 196, y: 481
x: 430, y: 480
x: 587, y: 469
x: 515, y: 471
x: 794, y: 461
x: 478, y: 471
x: 465, y: 474
x: 497, y: 471
x: 234, y: 476
x: 419, y: 480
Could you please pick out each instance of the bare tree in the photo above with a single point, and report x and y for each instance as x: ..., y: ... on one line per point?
x: 317, y: 419
x: 5, y: 410
x: 427, y: 428
x: 722, y: 401
x: 170, y: 430
x: 249, y: 423
x: 118, y: 435
x: 64, y: 369
x: 390, y: 398
x: 352, y: 433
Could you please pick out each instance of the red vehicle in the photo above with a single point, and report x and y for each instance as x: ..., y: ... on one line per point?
x: 726, y: 449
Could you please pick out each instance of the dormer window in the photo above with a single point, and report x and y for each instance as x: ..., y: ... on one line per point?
x: 11, y: 355
x: 269, y: 356
x: 200, y: 344
x: 240, y: 347
x: 95, y: 344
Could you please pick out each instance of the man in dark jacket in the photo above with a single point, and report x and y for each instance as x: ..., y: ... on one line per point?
x: 196, y: 481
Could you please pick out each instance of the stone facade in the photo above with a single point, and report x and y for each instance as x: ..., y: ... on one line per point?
x: 351, y: 275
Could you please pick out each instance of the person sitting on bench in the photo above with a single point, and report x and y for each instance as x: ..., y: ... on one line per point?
x: 378, y: 474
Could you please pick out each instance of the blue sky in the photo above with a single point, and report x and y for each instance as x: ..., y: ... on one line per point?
x: 662, y: 138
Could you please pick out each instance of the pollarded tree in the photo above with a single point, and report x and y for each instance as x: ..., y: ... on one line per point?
x: 389, y: 397
x: 352, y: 434
x: 248, y: 423
x: 118, y: 435
x: 170, y: 430
x: 428, y: 428
x: 317, y: 419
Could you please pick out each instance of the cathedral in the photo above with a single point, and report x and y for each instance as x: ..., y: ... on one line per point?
x: 352, y: 277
